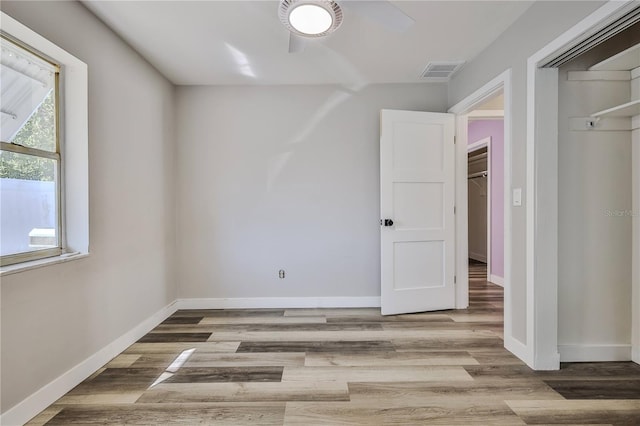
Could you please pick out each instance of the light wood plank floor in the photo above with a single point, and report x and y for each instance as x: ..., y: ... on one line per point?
x: 344, y: 366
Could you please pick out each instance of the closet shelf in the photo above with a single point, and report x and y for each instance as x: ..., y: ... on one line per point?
x: 625, y: 110
x: 623, y: 61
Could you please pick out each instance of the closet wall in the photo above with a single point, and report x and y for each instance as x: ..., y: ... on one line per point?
x: 477, y: 204
x: 596, y: 210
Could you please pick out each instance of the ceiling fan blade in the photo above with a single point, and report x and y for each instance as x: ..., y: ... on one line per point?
x: 383, y: 12
x: 296, y: 43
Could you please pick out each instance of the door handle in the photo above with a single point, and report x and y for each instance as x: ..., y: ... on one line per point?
x: 386, y: 222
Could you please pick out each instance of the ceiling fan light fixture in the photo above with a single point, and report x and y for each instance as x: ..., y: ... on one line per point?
x: 310, y: 18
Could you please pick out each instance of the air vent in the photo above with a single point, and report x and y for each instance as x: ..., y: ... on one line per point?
x: 441, y: 71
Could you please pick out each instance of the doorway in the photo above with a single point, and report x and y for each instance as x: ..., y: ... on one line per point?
x: 470, y: 108
x: 546, y: 211
x: 479, y: 202
x: 485, y: 189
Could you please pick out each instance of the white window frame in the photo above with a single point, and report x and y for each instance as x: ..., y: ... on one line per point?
x: 6, y: 146
x: 73, y: 137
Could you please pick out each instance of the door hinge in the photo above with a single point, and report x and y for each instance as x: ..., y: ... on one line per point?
x: 454, y: 139
x: 454, y: 209
x: 455, y: 279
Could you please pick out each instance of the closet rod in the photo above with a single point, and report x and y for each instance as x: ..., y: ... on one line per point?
x: 477, y: 175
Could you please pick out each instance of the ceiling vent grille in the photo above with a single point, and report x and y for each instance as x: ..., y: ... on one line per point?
x: 441, y: 71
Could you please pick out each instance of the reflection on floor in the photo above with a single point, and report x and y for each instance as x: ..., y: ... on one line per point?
x: 344, y: 366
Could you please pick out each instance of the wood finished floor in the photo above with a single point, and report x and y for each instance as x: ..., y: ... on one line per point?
x: 347, y: 367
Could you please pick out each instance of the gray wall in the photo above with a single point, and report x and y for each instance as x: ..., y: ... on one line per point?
x: 283, y: 177
x: 55, y: 317
x: 543, y: 22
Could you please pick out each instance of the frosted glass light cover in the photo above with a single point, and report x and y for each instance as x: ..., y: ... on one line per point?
x: 310, y: 19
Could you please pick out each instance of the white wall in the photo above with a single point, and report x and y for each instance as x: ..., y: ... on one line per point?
x: 543, y: 22
x: 55, y: 317
x: 283, y: 177
x: 594, y: 229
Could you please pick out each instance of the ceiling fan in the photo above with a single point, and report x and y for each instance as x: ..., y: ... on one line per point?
x: 313, y: 19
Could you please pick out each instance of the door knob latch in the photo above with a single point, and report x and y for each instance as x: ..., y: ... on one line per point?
x: 386, y: 222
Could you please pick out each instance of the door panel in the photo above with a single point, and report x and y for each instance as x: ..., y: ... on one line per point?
x: 417, y: 194
x: 413, y: 207
x: 418, y: 264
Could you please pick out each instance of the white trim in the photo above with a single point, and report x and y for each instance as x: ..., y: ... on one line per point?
x: 500, y: 82
x: 635, y: 354
x: 589, y: 25
x: 40, y: 263
x: 496, y: 280
x: 542, y: 220
x: 462, y: 205
x: 530, y: 214
x: 479, y: 144
x: 508, y: 227
x: 279, y: 302
x: 542, y: 217
x: 49, y: 393
x: 485, y: 142
x: 518, y: 348
x: 594, y: 353
x: 486, y: 114
x: 484, y: 93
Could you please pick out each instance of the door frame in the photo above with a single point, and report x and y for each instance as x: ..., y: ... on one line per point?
x: 462, y: 110
x: 542, y: 193
x: 475, y: 146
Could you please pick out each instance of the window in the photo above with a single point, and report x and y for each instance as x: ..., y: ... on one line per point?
x: 44, y: 146
x: 30, y: 161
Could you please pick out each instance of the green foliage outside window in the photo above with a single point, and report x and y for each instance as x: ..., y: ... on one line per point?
x: 38, y: 132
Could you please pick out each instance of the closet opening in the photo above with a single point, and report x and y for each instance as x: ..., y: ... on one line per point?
x: 583, y: 192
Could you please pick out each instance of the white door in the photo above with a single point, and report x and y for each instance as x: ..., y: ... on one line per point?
x: 417, y: 193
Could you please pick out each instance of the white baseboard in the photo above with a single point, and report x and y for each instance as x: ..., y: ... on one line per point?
x: 635, y: 354
x: 519, y: 349
x: 478, y: 257
x: 594, y: 353
x: 279, y: 302
x: 48, y: 394
x: 496, y: 280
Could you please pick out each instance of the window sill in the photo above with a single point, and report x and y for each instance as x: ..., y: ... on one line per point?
x: 40, y: 263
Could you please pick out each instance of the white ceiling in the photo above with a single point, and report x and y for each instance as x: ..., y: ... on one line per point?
x: 243, y: 42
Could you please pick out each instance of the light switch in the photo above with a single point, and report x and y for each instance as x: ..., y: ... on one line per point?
x: 517, y: 197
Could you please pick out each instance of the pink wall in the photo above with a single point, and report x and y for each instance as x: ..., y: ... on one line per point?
x: 480, y: 129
